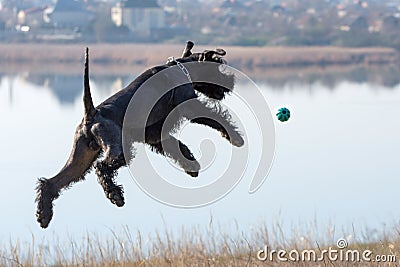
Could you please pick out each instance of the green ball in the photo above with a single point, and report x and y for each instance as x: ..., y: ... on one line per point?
x: 283, y: 114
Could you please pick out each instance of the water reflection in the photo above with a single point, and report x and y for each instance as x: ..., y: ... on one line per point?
x: 385, y: 76
x: 68, y: 87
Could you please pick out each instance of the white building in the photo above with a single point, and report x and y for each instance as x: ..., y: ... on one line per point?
x: 140, y: 16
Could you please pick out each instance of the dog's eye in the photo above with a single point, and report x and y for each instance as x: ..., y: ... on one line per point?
x: 216, y: 58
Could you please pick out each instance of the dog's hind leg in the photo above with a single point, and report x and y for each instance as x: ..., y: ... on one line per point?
x: 78, y: 164
x: 179, y: 152
x: 108, y: 136
x: 220, y: 120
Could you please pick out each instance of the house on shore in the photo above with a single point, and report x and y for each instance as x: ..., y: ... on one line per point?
x: 32, y: 17
x: 142, y: 17
x: 69, y: 14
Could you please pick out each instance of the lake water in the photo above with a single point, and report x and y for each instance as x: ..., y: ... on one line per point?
x: 336, y: 159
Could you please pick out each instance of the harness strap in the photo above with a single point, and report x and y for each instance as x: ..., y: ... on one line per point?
x: 181, y: 66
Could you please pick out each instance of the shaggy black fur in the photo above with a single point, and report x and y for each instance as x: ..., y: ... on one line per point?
x: 200, y: 73
x: 98, y: 138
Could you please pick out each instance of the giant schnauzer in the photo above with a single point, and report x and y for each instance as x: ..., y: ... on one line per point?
x: 98, y: 138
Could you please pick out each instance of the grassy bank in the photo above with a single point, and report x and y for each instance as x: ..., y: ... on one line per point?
x: 128, y: 55
x: 207, y: 246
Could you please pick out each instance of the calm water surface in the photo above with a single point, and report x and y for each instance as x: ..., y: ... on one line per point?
x: 336, y: 160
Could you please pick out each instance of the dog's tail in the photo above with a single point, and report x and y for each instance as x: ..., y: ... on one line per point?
x: 90, y: 111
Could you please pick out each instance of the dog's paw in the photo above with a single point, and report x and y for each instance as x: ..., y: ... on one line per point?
x: 116, y: 196
x: 45, y: 194
x: 235, y: 138
x: 44, y: 214
x: 191, y: 167
x: 193, y: 174
x: 237, y: 141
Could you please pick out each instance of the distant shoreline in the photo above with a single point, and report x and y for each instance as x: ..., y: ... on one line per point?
x: 128, y: 58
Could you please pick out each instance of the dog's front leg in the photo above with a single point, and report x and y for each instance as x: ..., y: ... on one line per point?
x: 179, y: 152
x: 108, y: 136
x: 216, y: 118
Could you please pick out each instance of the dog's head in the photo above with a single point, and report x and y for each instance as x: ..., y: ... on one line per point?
x: 209, y: 73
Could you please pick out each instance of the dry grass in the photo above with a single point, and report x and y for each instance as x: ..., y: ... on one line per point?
x: 207, y: 246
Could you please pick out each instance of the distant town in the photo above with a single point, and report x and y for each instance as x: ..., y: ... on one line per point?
x: 354, y: 23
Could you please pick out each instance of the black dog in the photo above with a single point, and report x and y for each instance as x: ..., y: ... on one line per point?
x: 99, y: 135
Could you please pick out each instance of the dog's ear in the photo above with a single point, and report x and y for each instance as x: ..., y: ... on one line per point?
x: 187, y: 51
